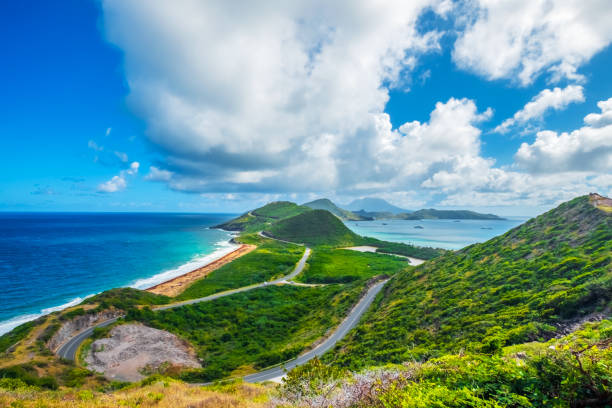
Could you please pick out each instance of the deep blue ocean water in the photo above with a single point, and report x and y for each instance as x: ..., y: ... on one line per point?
x: 448, y: 234
x: 52, y: 260
x: 49, y: 261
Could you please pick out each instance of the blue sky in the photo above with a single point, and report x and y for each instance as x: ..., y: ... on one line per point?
x: 181, y: 106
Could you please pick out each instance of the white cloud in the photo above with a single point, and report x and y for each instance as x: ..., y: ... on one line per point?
x: 523, y: 38
x: 588, y: 148
x: 270, y: 101
x: 108, y: 131
x: 118, y: 182
x: 157, y: 174
x: 290, y: 98
x: 556, y: 99
x: 602, y: 119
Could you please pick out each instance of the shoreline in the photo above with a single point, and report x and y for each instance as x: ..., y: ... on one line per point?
x: 10, y: 323
x: 178, y: 284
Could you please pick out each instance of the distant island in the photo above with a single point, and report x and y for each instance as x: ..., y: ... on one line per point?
x: 379, y: 209
x: 430, y: 214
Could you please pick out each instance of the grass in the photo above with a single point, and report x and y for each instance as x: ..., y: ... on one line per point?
x: 343, y: 266
x: 157, y: 392
x: 316, y: 227
x: 271, y: 259
x: 261, y: 327
x: 508, y: 290
x: 261, y: 218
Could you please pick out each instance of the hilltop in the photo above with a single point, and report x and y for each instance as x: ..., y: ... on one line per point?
x: 535, y: 281
x: 371, y: 204
x: 316, y: 227
x: 260, y: 218
x: 326, y: 204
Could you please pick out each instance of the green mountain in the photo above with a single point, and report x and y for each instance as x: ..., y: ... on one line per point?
x: 370, y: 204
x: 326, y: 204
x: 533, y: 282
x: 260, y: 218
x: 315, y: 227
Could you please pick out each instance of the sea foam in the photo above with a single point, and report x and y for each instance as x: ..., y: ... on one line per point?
x: 8, y: 325
x: 224, y: 247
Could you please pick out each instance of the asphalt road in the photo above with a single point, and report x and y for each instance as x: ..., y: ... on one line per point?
x: 347, y: 324
x: 69, y: 348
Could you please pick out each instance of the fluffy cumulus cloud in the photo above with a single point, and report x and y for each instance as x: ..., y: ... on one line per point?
x: 118, y: 182
x: 586, y: 149
x: 289, y: 97
x: 524, y: 38
x: 602, y: 119
x: 285, y: 98
x: 556, y: 99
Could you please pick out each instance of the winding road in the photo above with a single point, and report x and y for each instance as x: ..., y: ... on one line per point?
x: 69, y: 349
x: 347, y: 324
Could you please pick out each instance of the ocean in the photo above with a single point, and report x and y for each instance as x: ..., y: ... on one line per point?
x: 447, y: 234
x: 49, y: 261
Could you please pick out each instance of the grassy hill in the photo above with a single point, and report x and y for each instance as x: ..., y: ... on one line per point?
x: 316, y: 227
x: 326, y: 204
x: 260, y: 218
x: 527, y: 284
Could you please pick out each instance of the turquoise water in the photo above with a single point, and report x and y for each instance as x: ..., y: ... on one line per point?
x: 49, y: 261
x: 447, y: 234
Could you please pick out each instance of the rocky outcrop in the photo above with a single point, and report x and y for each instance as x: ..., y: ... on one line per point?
x: 78, y: 324
x: 134, y: 348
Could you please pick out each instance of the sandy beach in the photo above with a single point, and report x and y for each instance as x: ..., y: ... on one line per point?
x: 175, y: 286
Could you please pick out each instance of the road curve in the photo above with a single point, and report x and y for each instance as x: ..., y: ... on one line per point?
x: 347, y: 324
x: 69, y: 348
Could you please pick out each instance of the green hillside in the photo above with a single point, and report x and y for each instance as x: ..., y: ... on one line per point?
x: 259, y: 219
x: 316, y: 227
x: 326, y: 204
x: 521, y: 286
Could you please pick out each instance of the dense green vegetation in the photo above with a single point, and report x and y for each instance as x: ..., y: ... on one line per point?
x: 343, y: 266
x: 9, y: 339
x: 272, y: 259
x: 573, y: 371
x: 126, y: 298
x: 260, y: 327
x: 326, y: 204
x: 315, y: 227
x: 510, y: 289
x: 262, y: 217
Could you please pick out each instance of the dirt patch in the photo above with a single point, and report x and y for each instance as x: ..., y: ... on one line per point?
x: 601, y: 202
x: 132, y: 348
x: 176, y: 286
